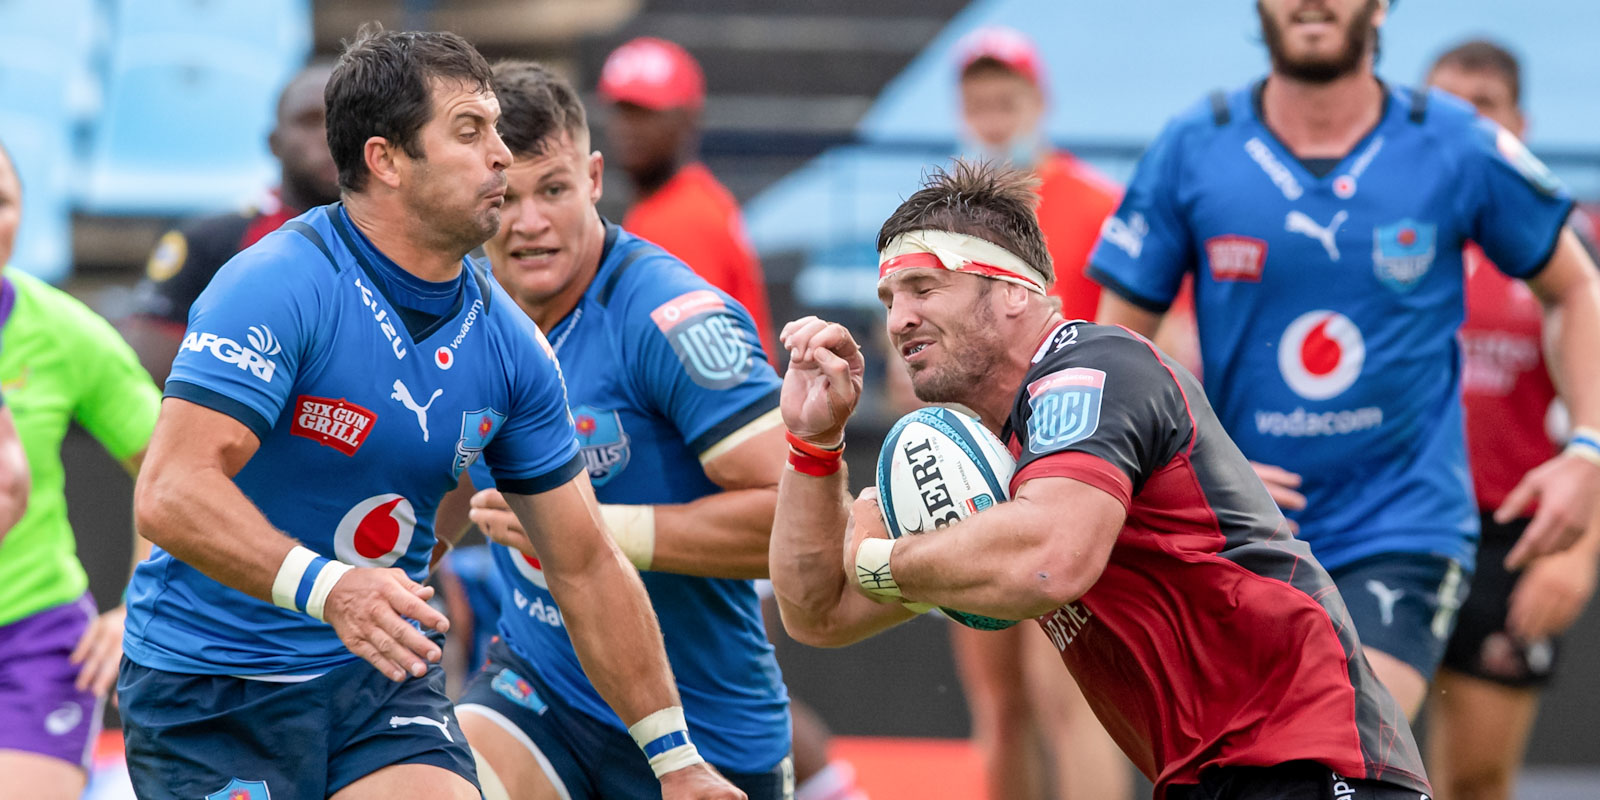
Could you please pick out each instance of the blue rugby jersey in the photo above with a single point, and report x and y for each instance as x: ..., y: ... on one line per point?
x: 1328, y: 305
x: 660, y: 367
x: 364, y: 424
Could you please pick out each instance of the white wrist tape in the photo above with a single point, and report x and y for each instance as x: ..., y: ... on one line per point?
x: 304, y: 580
x: 1585, y: 444
x: 633, y: 528
x: 872, y: 568
x: 664, y: 738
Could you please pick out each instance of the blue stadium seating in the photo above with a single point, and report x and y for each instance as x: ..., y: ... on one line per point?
x: 46, y: 86
x: 189, y: 103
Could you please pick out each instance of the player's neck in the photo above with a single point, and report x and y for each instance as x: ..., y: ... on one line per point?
x: 399, y: 236
x: 993, y: 407
x: 1322, y: 120
x: 549, y: 312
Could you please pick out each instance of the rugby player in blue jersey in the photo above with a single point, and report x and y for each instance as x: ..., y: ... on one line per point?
x: 676, y: 413
x: 1323, y: 214
x: 336, y: 380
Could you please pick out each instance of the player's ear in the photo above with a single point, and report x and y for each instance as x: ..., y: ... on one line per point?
x: 597, y: 171
x: 381, y: 156
x: 1015, y: 298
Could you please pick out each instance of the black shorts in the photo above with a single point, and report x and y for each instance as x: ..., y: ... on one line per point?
x: 1296, y: 780
x: 1481, y: 647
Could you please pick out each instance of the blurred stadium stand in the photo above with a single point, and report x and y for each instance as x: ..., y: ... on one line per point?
x: 189, y: 98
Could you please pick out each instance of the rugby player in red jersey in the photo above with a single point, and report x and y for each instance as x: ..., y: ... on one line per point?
x: 1507, y: 640
x: 1207, y: 639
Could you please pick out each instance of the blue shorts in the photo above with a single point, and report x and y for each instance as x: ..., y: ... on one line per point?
x: 1405, y: 604
x: 212, y: 736
x: 585, y: 758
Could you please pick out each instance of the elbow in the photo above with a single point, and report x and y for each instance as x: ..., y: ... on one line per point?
x: 819, y: 634
x: 1050, y: 584
x: 151, y: 498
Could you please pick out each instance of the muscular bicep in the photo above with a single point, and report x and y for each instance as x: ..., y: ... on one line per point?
x: 1117, y: 310
x: 563, y: 525
x: 750, y: 458
x: 1084, y: 521
x: 189, y: 436
x: 1569, y: 269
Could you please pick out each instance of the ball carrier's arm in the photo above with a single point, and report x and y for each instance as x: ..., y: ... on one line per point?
x: 819, y: 605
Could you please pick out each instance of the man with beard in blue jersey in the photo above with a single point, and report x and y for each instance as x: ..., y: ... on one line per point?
x: 1323, y: 214
x: 676, y: 413
x: 336, y: 380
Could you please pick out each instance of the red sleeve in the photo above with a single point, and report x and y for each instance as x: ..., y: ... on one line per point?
x: 1079, y: 466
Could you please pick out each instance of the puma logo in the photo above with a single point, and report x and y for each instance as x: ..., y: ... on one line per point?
x: 442, y: 724
x: 1298, y: 222
x: 403, y: 394
x: 1386, y: 599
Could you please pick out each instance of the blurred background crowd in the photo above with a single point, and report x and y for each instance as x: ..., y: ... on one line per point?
x: 766, y: 139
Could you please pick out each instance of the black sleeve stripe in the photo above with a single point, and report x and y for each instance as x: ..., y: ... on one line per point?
x: 1550, y: 250
x: 616, y: 275
x: 1104, y: 278
x: 539, y: 484
x: 220, y: 403
x: 1220, y: 115
x: 734, y: 422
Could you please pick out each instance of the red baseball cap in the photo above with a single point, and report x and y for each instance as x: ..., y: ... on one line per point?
x: 1008, y: 46
x: 653, y: 73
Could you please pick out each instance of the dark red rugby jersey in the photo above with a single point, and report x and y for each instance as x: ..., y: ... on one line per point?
x: 1213, y: 638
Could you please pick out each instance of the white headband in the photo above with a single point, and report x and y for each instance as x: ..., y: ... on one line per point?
x: 932, y: 249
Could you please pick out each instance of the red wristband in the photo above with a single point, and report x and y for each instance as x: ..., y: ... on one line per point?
x: 806, y: 464
x: 813, y: 450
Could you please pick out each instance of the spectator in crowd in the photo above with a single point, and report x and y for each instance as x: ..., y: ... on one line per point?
x: 60, y: 364
x: 1003, y: 105
x: 1011, y: 677
x: 186, y: 257
x: 1505, y: 646
x: 656, y: 92
x: 1322, y: 214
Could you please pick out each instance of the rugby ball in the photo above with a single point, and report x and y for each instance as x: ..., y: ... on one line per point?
x: 938, y: 466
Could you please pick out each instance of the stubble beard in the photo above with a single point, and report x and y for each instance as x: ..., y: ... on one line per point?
x: 1359, y: 35
x: 971, y: 355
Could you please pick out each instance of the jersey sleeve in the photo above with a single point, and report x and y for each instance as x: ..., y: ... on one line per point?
x: 1103, y: 409
x: 1145, y: 247
x: 119, y: 401
x: 693, y: 354
x: 536, y: 449
x: 250, y: 331
x: 183, y: 263
x: 1517, y: 206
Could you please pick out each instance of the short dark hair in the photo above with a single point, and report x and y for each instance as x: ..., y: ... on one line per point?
x: 1482, y: 55
x: 986, y: 199
x: 381, y: 86
x: 536, y: 106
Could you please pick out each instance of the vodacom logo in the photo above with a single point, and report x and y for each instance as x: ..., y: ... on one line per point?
x: 377, y: 532
x: 528, y: 567
x: 1321, y: 354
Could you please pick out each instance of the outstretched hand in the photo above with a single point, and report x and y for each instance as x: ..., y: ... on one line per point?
x: 823, y: 382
